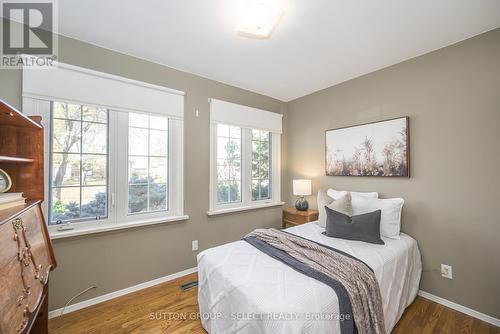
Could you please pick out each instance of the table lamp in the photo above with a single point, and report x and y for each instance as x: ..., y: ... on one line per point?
x: 302, y: 188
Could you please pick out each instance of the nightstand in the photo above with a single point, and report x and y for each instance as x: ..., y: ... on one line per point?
x: 292, y: 216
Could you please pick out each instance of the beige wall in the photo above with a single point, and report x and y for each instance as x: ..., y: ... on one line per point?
x: 116, y: 260
x: 453, y: 196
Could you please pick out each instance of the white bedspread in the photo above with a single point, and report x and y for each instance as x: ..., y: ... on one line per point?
x: 244, y: 290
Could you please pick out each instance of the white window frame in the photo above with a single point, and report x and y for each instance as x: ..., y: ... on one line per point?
x: 175, y: 172
x: 37, y: 101
x: 110, y: 181
x: 118, y: 216
x: 246, y: 202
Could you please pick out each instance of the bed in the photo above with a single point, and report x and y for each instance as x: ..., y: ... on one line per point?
x: 242, y: 289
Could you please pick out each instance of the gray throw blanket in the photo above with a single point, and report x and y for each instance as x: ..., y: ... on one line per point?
x: 332, y: 267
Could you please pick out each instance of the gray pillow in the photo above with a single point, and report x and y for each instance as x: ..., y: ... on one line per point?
x: 364, y: 227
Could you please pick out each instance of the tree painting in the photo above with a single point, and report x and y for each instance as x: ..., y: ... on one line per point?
x: 375, y: 149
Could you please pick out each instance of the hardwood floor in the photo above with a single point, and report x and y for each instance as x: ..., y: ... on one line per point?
x: 425, y: 317
x: 137, y: 312
x: 164, y: 308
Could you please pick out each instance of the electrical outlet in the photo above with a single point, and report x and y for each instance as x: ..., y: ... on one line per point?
x: 446, y: 271
x: 194, y: 245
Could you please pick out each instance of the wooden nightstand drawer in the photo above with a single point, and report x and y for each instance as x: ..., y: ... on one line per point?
x: 292, y: 216
x: 298, y: 219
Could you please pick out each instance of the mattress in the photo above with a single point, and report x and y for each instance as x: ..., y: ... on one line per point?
x: 244, y: 290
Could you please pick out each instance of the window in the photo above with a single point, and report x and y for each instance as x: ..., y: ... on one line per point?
x: 261, y: 165
x: 244, y: 158
x: 228, y: 164
x: 89, y: 146
x: 147, y: 163
x: 115, y: 158
x: 79, y: 162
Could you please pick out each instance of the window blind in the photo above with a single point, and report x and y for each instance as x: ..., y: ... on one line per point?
x: 245, y: 117
x: 72, y: 83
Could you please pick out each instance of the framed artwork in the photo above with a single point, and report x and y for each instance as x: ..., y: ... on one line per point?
x: 374, y: 149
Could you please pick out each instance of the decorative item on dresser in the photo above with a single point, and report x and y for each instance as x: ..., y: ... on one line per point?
x: 5, y: 181
x: 292, y: 216
x: 26, y: 256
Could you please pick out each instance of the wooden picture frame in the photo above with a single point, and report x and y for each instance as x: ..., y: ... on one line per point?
x: 380, y: 148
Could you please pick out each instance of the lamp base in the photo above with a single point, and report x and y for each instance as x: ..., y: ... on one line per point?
x: 301, y: 204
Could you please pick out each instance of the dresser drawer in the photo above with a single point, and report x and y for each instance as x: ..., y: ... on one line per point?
x: 25, y: 263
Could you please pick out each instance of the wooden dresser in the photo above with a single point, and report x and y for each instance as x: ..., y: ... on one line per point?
x: 26, y: 255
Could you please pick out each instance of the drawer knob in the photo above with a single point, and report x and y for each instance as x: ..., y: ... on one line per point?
x: 17, y: 223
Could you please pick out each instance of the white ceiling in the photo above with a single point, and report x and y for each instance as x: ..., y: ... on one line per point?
x: 318, y: 43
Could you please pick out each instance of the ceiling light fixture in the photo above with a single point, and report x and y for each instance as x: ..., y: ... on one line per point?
x: 259, y: 18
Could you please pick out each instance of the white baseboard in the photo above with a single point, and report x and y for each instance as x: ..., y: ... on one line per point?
x: 460, y: 308
x: 111, y: 295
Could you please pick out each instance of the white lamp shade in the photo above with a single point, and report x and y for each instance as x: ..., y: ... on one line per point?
x: 302, y: 187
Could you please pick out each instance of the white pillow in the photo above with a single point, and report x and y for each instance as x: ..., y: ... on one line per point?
x: 337, y: 193
x: 390, y: 220
x: 354, y: 197
x: 341, y: 204
x: 323, y: 200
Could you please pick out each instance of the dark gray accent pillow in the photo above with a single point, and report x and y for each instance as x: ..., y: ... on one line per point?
x: 364, y: 227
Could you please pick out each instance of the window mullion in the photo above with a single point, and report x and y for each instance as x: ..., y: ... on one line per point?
x: 121, y: 159
x: 81, y: 157
x: 213, y: 167
x: 275, y: 157
x: 112, y: 163
x: 271, y: 167
x: 175, y: 172
x: 246, y: 163
x: 148, y: 198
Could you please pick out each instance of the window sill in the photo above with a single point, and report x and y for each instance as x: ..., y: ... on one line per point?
x: 78, y: 230
x: 242, y: 208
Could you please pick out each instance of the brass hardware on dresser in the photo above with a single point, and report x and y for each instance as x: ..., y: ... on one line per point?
x: 17, y: 224
x: 26, y: 255
x: 25, y: 261
x: 25, y: 258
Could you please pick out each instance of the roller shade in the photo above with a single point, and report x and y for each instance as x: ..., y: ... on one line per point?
x: 72, y: 83
x: 243, y: 116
